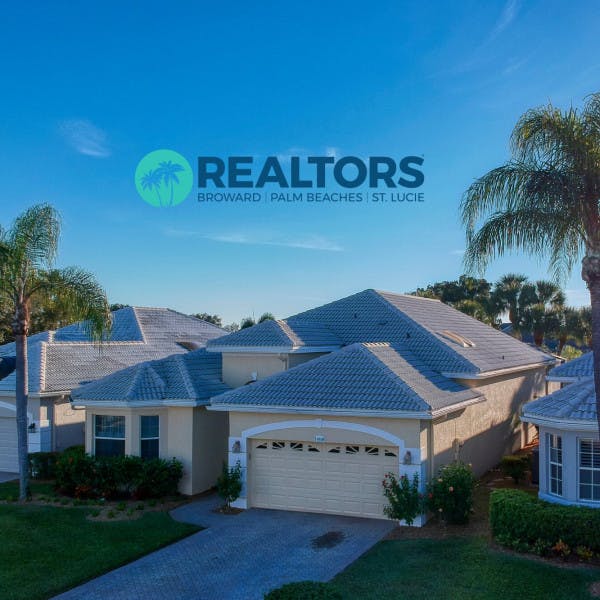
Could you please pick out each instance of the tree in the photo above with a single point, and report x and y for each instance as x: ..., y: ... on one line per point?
x: 539, y: 307
x: 267, y: 316
x: 507, y: 291
x: 214, y: 319
x: 247, y: 322
x: 152, y: 181
x: 231, y: 327
x: 544, y: 201
x: 27, y: 254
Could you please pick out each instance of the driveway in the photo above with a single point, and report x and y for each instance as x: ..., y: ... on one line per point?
x: 239, y: 556
x: 6, y: 476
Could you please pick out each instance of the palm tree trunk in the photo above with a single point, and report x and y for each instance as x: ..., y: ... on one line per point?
x: 590, y: 273
x: 20, y: 327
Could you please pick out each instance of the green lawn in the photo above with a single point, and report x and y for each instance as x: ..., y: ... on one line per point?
x: 46, y: 550
x: 457, y: 568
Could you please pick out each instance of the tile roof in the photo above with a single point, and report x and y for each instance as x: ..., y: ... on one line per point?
x: 418, y: 324
x: 369, y: 376
x: 285, y: 334
x: 64, y: 359
x: 582, y: 366
x: 192, y: 377
x: 574, y: 402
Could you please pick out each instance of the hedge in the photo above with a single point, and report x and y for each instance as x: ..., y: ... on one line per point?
x: 83, y: 476
x: 516, y: 517
x: 304, y: 590
x: 42, y: 464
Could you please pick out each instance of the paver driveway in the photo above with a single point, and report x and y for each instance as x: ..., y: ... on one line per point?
x: 242, y: 556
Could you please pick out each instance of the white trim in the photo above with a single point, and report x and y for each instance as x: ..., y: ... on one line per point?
x: 12, y: 407
x: 498, y: 372
x: 320, y: 424
x: 560, y: 423
x: 440, y: 412
x: 393, y: 414
x: 556, y: 379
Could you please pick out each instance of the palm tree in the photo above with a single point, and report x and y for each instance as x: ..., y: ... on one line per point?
x: 506, y: 293
x: 538, y: 308
x: 27, y: 253
x: 168, y: 170
x: 569, y: 326
x: 152, y: 181
x: 544, y: 200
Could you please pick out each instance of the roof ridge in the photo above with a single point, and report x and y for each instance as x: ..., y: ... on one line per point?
x: 185, y: 375
x: 422, y: 329
x: 404, y: 295
x: 139, y: 371
x: 139, y: 324
x: 42, y: 374
x: 287, y: 330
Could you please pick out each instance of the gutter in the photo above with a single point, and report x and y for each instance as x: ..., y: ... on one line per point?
x: 558, y: 423
x: 567, y: 379
x: 84, y: 404
x: 498, y: 372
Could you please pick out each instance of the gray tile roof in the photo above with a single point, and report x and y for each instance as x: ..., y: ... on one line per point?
x: 415, y: 323
x: 191, y: 377
x: 575, y: 369
x: 286, y: 334
x: 574, y: 402
x: 370, y: 376
x: 64, y: 359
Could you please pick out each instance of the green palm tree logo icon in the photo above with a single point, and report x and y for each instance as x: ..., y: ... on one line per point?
x: 164, y: 178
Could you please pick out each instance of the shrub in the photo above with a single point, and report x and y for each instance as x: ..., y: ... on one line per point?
x: 229, y: 483
x: 304, y: 590
x: 450, y: 494
x: 515, y: 466
x: 83, y: 476
x: 42, y: 465
x: 159, y: 478
x: 516, y: 515
x: 405, y: 501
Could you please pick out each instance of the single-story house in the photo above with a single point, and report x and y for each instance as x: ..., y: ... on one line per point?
x: 62, y: 360
x: 569, y: 449
x: 328, y: 400
x: 158, y: 409
x: 318, y: 407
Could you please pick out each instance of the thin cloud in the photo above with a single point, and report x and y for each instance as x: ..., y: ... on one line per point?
x: 306, y: 242
x: 507, y: 16
x: 85, y: 137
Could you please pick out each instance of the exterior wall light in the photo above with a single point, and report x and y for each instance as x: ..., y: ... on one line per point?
x: 408, y: 458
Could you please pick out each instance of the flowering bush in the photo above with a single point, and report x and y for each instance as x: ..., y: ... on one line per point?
x: 450, y: 494
x: 405, y: 501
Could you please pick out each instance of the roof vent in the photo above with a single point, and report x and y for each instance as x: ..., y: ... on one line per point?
x: 457, y: 338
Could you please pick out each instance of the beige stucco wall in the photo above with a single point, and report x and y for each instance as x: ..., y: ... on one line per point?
x: 68, y: 425
x: 482, y: 433
x: 407, y: 430
x: 195, y: 436
x: 238, y: 368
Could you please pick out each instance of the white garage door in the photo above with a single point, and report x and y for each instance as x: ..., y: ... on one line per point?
x: 8, y: 445
x: 330, y: 478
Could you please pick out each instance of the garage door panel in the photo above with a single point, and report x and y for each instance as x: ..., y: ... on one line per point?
x: 330, y: 478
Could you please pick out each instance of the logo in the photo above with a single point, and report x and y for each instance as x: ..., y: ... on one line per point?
x: 164, y: 178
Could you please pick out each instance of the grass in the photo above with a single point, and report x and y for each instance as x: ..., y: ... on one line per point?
x: 10, y: 489
x: 46, y: 550
x: 457, y: 568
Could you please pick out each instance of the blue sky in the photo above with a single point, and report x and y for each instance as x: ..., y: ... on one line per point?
x: 87, y: 90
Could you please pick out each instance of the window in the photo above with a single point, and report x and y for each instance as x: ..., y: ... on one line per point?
x: 149, y: 436
x: 589, y: 470
x: 262, y: 446
x: 278, y: 445
x: 297, y: 446
x: 555, y: 479
x: 352, y: 449
x: 335, y: 450
x: 373, y: 450
x: 109, y: 435
x: 312, y: 448
x: 389, y: 452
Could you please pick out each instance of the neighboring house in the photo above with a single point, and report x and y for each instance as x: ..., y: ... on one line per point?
x: 158, y: 409
x: 329, y: 400
x: 62, y: 360
x: 569, y: 449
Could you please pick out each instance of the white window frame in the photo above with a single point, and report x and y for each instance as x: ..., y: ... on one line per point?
x: 103, y: 437
x: 558, y: 464
x: 145, y: 439
x: 591, y: 469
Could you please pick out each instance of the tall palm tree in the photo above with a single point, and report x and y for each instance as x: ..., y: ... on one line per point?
x: 27, y: 254
x: 539, y: 304
x: 544, y: 201
x: 506, y: 292
x: 569, y: 326
x: 168, y: 171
